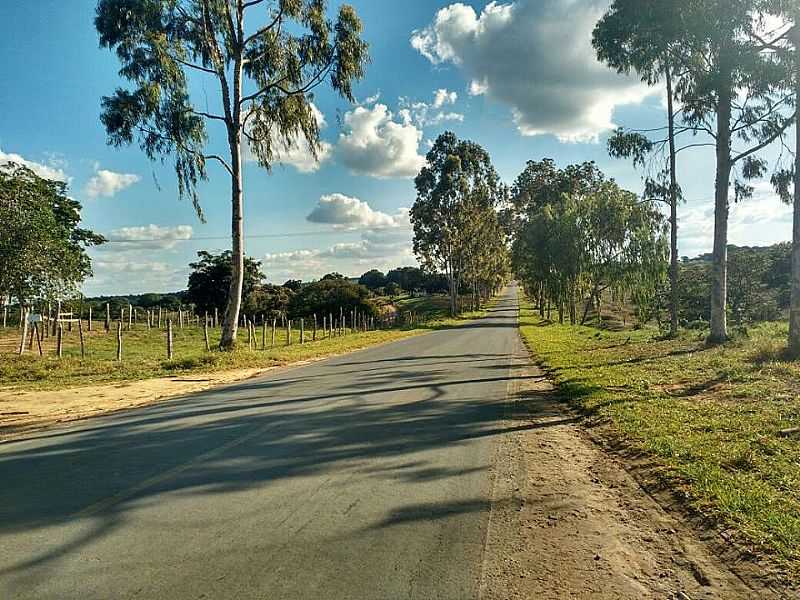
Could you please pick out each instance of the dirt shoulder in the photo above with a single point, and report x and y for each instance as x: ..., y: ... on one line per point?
x: 570, y: 521
x: 24, y: 411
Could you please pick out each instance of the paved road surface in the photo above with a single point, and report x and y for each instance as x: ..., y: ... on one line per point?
x: 363, y: 476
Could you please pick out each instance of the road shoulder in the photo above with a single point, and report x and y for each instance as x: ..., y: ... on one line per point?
x: 568, y: 520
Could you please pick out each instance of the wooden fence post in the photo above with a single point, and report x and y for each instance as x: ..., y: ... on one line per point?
x: 38, y: 338
x: 130, y: 316
x: 302, y: 331
x: 119, y: 341
x: 289, y: 332
x: 24, y: 323
x: 216, y: 317
x: 5, y: 316
x: 314, y: 335
x: 274, y: 323
x: 90, y: 317
x: 169, y: 339
x: 80, y: 335
x: 264, y: 333
x: 59, y: 339
x: 205, y: 334
x: 108, y: 318
x: 159, y: 317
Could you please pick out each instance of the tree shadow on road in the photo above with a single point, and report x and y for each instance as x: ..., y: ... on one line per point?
x: 233, y: 439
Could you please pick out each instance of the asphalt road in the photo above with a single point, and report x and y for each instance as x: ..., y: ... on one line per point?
x: 364, y: 476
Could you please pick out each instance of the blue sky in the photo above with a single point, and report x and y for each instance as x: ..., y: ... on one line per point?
x: 517, y: 78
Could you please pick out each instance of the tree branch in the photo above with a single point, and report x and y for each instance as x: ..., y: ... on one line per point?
x: 766, y: 142
x: 264, y: 29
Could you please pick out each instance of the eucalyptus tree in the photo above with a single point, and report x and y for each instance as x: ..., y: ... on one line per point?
x: 783, y: 42
x: 645, y: 36
x: 457, y: 180
x: 263, y: 57
x: 732, y: 92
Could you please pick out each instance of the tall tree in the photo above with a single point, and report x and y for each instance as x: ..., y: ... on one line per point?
x: 458, y: 178
x: 733, y: 93
x: 645, y: 36
x: 784, y: 42
x: 266, y: 57
x: 42, y: 247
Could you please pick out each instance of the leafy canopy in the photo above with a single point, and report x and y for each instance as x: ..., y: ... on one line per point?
x: 42, y: 248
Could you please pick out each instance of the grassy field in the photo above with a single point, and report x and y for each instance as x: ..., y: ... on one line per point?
x: 144, y: 352
x: 715, y: 418
x: 144, y: 355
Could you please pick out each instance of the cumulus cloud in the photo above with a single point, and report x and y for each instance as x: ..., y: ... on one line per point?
x: 131, y: 274
x: 374, y: 144
x: 536, y: 57
x: 53, y: 170
x: 147, y: 237
x: 442, y: 97
x: 376, y: 249
x: 108, y: 183
x: 343, y: 211
x: 296, y: 152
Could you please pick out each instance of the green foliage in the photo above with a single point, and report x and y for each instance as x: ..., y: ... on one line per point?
x: 210, y: 280
x: 758, y: 280
x: 373, y: 279
x: 159, y: 42
x: 43, y: 247
x: 328, y: 296
x: 456, y: 227
x: 577, y: 234
x: 408, y: 278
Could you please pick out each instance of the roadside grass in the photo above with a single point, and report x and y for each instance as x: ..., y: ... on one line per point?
x: 713, y: 417
x: 144, y: 355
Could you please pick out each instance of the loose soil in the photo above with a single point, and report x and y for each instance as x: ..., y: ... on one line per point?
x: 24, y: 411
x: 571, y: 520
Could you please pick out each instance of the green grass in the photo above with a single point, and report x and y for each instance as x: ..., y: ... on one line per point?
x: 711, y: 416
x: 144, y: 355
x: 144, y: 351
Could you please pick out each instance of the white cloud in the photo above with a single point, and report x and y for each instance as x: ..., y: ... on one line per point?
x: 343, y: 211
x: 762, y: 220
x: 374, y: 144
x: 377, y: 249
x: 536, y: 57
x: 423, y: 114
x: 108, y: 183
x: 127, y: 274
x: 296, y: 151
x: 54, y: 170
x: 147, y: 237
x: 442, y: 97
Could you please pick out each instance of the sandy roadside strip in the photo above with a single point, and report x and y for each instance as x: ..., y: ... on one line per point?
x: 22, y: 412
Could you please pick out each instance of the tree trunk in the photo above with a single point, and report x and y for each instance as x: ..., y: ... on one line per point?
x: 231, y: 319
x: 719, y: 273
x: 673, y: 209
x: 794, y: 308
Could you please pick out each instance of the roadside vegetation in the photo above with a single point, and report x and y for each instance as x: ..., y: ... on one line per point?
x: 720, y: 419
x: 144, y: 355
